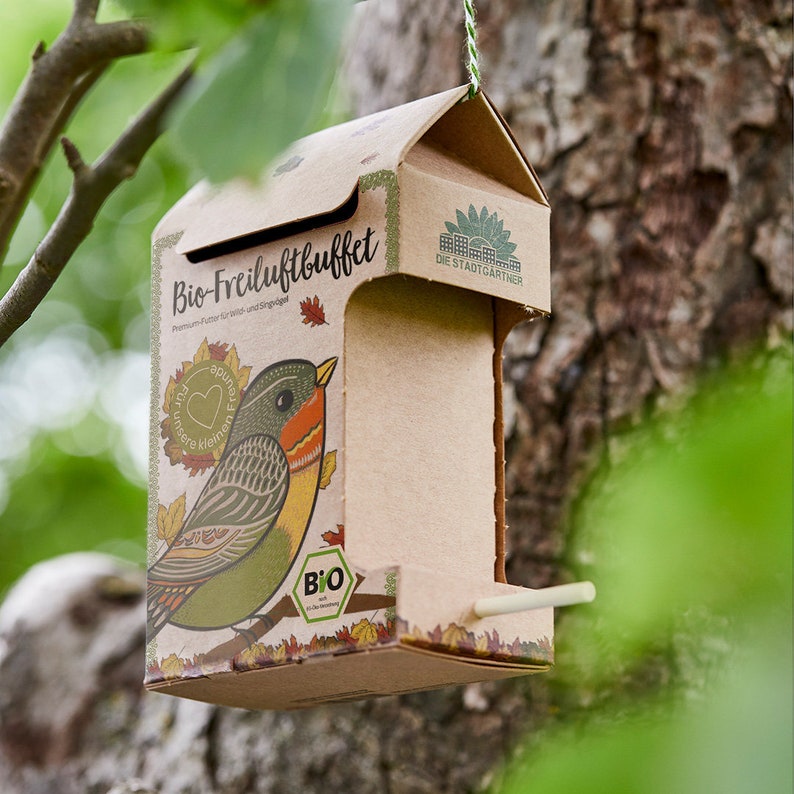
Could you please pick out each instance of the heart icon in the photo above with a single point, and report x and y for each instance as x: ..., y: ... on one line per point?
x: 203, y: 409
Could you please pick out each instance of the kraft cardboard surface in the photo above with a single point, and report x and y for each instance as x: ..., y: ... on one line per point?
x: 465, y: 249
x: 327, y: 488
x: 418, y: 371
x: 317, y: 174
x: 340, y: 679
x: 476, y: 132
x: 435, y: 640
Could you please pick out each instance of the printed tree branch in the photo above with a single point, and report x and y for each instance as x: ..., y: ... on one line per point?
x: 242, y: 640
x: 90, y: 188
x: 285, y: 608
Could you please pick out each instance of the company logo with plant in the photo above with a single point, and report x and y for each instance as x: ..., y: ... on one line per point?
x: 479, y: 243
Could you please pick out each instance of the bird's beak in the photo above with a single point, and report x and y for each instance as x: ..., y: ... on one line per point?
x: 325, y: 370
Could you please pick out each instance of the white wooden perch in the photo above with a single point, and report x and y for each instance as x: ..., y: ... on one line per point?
x: 560, y: 596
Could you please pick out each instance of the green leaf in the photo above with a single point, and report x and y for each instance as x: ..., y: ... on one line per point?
x: 451, y: 228
x: 488, y: 227
x: 265, y: 89
x: 474, y: 218
x: 500, y: 240
x: 463, y: 224
x: 206, y: 24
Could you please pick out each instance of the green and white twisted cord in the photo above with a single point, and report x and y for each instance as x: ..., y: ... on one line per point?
x: 471, y: 45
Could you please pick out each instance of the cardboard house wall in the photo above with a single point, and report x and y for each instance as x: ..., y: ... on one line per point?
x: 393, y: 253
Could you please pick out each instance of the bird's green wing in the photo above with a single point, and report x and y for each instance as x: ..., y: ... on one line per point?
x: 234, y: 512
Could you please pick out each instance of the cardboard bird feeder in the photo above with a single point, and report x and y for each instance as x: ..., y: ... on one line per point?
x: 327, y: 470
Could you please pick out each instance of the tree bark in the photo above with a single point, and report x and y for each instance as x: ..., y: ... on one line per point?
x: 662, y: 131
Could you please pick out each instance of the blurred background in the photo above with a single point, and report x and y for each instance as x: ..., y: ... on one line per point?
x: 649, y: 420
x: 74, y: 380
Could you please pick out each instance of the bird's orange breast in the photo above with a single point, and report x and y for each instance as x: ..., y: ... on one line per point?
x: 302, y: 437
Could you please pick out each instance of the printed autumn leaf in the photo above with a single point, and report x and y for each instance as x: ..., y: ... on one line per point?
x: 332, y: 643
x: 232, y: 360
x: 320, y: 644
x: 385, y: 632
x: 313, y: 312
x: 335, y: 538
x: 455, y: 636
x: 279, y: 655
x: 198, y: 464
x: 494, y: 642
x: 169, y: 393
x: 344, y: 636
x: 192, y: 668
x: 243, y: 374
x: 364, y: 633
x: 253, y: 656
x: 172, y: 666
x: 218, y: 351
x: 173, y: 451
x: 329, y: 467
x: 293, y: 648
x: 467, y: 643
x: 169, y: 520
x: 202, y: 354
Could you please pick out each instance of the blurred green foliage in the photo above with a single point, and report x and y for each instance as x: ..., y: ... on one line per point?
x: 74, y: 380
x: 266, y: 88
x: 688, y: 537
x: 204, y: 24
x: 83, y: 502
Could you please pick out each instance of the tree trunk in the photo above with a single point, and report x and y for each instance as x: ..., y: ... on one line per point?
x: 661, y: 130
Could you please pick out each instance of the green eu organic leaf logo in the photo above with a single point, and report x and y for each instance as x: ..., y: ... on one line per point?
x: 484, y: 230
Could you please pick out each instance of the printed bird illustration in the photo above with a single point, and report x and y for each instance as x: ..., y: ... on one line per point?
x: 243, y: 535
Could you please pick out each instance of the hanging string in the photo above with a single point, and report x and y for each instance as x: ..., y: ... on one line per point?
x: 471, y: 45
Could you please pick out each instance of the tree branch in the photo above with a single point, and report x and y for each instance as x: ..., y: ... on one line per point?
x: 57, y: 80
x: 91, y: 187
x: 17, y: 202
x: 85, y: 9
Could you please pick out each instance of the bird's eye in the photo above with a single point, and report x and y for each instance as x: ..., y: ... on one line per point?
x: 284, y: 400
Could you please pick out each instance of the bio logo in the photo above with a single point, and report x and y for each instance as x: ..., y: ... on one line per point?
x: 314, y: 582
x: 323, y: 586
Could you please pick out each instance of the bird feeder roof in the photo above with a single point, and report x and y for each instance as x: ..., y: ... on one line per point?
x: 313, y: 182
